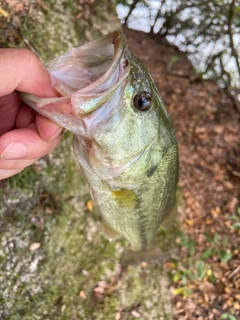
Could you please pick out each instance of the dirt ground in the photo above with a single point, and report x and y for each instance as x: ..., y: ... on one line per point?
x: 208, y: 132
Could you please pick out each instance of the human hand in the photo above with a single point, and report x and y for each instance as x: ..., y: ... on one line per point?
x: 25, y: 136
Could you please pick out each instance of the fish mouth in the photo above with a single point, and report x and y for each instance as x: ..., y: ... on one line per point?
x: 86, y: 78
x: 92, y: 72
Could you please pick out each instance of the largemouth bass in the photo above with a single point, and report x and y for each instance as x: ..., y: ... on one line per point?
x: 124, y: 139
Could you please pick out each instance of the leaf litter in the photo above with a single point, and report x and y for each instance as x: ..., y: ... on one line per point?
x: 207, y: 286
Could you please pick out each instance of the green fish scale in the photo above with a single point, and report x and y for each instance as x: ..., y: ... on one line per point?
x: 140, y: 232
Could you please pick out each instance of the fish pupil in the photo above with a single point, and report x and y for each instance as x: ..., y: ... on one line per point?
x: 143, y: 101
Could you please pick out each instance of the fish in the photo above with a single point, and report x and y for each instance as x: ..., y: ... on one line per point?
x: 123, y: 139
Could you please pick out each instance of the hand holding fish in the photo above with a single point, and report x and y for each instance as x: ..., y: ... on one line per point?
x: 25, y: 136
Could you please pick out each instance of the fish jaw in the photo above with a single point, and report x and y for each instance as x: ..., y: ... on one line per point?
x: 85, y: 78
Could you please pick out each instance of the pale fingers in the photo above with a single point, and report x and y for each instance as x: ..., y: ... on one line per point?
x: 9, y: 168
x: 47, y: 129
x: 18, y: 164
x: 8, y: 173
x: 25, y: 144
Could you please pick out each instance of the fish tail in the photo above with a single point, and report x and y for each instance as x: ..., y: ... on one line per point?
x: 130, y: 257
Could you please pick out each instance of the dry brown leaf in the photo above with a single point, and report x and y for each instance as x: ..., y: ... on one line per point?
x: 48, y: 210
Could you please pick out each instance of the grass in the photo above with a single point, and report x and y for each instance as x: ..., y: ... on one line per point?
x: 57, y: 280
x: 72, y: 258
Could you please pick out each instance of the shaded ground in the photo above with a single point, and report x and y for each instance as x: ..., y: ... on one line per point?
x: 208, y: 130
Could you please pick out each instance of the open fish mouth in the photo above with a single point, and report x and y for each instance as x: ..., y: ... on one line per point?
x: 87, y: 77
x: 91, y: 72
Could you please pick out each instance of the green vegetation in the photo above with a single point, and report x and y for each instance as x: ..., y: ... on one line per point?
x: 50, y: 28
x: 227, y: 316
x: 56, y: 278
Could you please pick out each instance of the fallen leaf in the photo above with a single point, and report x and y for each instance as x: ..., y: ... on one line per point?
x: 135, y: 314
x: 34, y: 246
x: 99, y: 290
x: 85, y: 272
x: 3, y: 13
x: 90, y: 205
x: 118, y: 315
x: 82, y: 294
x: 48, y: 210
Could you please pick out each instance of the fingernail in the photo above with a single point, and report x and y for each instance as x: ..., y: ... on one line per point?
x: 56, y: 134
x: 14, y: 150
x: 54, y: 82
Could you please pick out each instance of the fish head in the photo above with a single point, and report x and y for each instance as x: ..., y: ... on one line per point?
x: 108, y: 99
x: 129, y: 133
x: 84, y: 78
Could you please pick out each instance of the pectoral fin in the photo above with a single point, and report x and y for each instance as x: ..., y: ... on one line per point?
x: 125, y: 198
x: 169, y: 217
x: 109, y: 232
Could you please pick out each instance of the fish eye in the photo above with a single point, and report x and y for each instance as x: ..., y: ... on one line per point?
x: 142, y: 101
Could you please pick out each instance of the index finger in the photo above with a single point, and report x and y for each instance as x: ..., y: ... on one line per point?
x: 21, y: 70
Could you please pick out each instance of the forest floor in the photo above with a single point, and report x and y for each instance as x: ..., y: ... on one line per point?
x: 208, y: 131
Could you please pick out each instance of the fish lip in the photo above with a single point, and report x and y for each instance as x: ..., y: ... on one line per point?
x: 118, y: 70
x: 119, y: 42
x: 72, y: 118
